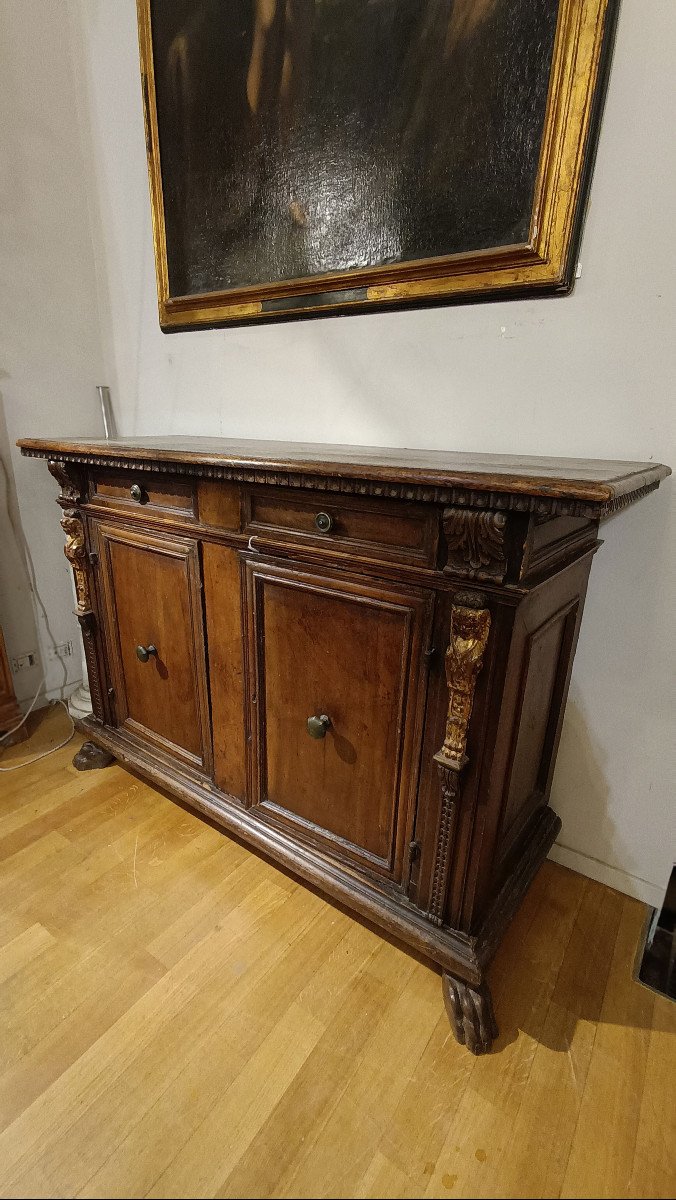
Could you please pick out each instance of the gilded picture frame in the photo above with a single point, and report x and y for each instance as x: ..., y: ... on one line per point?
x: 541, y: 261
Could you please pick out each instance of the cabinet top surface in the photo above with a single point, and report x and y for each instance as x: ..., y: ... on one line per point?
x: 596, y: 481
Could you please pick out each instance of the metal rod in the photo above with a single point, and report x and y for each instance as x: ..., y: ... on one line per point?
x: 109, y: 430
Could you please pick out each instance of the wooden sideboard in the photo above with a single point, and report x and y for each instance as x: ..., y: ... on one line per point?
x: 354, y: 659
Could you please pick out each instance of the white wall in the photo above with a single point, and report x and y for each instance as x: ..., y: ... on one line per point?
x: 591, y: 374
x: 50, y: 345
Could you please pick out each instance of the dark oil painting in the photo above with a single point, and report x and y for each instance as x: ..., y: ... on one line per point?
x: 300, y: 138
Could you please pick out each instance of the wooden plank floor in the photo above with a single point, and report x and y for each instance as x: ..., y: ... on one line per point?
x: 179, y: 1018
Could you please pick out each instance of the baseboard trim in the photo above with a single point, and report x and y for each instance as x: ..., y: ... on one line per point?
x: 621, y: 881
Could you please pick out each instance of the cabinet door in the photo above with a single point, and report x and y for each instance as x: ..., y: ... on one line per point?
x: 153, y: 614
x: 353, y: 653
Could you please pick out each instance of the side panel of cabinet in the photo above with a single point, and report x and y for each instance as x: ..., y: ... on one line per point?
x: 151, y: 595
x: 522, y: 736
x: 353, y: 652
x: 224, y: 619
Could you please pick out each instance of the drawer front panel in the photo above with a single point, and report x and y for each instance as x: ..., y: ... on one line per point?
x: 142, y: 493
x: 151, y: 596
x: 352, y: 653
x: 388, y: 530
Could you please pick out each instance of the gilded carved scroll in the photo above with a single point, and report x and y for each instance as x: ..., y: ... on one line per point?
x: 470, y: 627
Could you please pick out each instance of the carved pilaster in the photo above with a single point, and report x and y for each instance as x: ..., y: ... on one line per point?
x: 450, y: 787
x: 88, y: 629
x: 476, y: 543
x: 470, y: 626
x: 70, y: 480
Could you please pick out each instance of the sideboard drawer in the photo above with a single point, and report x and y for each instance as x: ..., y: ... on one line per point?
x: 337, y: 690
x: 138, y: 493
x: 368, y: 529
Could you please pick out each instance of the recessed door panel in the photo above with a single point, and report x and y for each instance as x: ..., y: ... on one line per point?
x: 154, y: 620
x: 337, y: 694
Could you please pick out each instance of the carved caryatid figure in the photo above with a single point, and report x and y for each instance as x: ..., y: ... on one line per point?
x: 469, y: 1006
x: 470, y: 626
x: 76, y: 554
x: 469, y: 635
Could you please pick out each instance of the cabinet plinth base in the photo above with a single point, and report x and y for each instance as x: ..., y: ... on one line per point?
x: 92, y: 758
x: 470, y: 1011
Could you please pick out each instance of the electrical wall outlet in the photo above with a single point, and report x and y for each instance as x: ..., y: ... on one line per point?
x: 23, y: 662
x: 65, y: 650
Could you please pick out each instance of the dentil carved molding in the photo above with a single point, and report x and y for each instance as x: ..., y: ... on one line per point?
x: 467, y: 497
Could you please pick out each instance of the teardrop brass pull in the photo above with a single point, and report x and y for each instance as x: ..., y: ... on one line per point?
x: 143, y: 653
x: 317, y: 726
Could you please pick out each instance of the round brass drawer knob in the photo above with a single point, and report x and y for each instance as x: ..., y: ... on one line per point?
x: 136, y: 493
x: 143, y: 653
x: 317, y: 726
x: 324, y: 522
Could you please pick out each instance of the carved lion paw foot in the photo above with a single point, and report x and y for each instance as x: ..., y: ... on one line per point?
x: 470, y: 1011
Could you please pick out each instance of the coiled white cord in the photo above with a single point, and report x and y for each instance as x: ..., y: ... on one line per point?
x: 37, y: 757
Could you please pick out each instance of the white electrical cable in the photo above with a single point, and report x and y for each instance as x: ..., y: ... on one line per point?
x: 26, y: 714
x: 45, y: 753
x: 23, y: 549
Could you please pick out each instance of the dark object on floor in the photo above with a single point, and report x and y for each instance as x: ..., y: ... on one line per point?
x: 657, y: 967
x: 90, y: 758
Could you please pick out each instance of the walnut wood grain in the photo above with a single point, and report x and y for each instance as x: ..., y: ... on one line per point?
x: 321, y: 644
x: 435, y: 632
x: 151, y: 596
x: 389, y: 530
x: 221, y: 568
x: 220, y: 504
